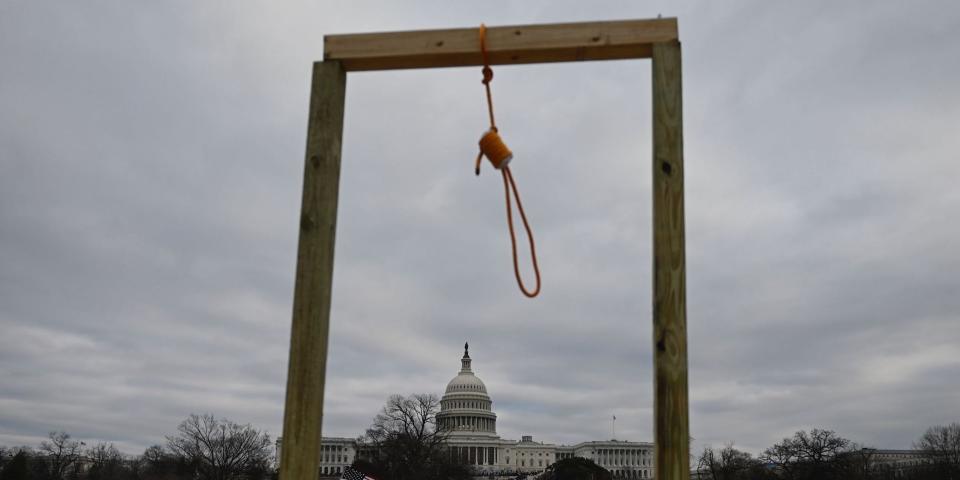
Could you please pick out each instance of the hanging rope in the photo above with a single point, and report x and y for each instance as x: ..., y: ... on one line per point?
x: 492, y: 146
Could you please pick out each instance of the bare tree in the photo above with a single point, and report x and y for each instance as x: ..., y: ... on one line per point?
x: 413, y: 417
x: 726, y: 464
x: 785, y: 457
x: 859, y: 462
x: 407, y: 442
x: 6, y: 454
x: 820, y: 447
x: 157, y: 464
x: 941, y: 446
x: 105, y: 462
x: 221, y: 449
x: 818, y: 454
x: 61, y: 455
x: 154, y: 454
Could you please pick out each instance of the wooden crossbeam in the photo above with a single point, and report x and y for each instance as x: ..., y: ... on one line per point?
x: 510, y: 45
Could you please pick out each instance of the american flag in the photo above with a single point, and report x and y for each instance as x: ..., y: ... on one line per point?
x: 351, y: 473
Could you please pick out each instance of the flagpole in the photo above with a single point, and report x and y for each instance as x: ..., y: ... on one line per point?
x: 613, y: 428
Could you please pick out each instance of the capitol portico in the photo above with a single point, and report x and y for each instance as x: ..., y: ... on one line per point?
x: 466, y: 413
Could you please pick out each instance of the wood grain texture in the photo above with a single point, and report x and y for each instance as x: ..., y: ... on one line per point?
x: 303, y: 412
x: 671, y: 416
x: 561, y: 42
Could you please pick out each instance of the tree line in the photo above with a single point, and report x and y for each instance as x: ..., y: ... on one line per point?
x: 823, y: 455
x: 404, y: 442
x: 204, y: 448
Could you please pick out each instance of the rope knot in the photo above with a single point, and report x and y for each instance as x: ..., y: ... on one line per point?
x: 492, y: 147
x: 487, y: 75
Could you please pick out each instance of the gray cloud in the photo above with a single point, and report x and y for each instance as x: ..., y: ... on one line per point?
x: 150, y: 174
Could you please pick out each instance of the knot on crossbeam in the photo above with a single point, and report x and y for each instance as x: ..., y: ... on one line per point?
x: 487, y: 75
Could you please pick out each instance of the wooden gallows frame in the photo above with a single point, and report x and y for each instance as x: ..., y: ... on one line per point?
x: 656, y: 39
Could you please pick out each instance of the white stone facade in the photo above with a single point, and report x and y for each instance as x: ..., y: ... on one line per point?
x: 336, y: 454
x: 898, y: 461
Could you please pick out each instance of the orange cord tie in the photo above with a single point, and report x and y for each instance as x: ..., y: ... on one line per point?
x: 492, y: 146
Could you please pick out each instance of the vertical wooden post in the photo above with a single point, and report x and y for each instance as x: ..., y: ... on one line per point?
x: 303, y: 412
x: 670, y: 410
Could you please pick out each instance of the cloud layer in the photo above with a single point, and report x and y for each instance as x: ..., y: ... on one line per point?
x: 150, y: 175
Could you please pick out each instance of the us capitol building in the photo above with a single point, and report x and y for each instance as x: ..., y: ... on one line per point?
x: 466, y: 413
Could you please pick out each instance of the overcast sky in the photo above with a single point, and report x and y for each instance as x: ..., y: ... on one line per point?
x: 151, y: 163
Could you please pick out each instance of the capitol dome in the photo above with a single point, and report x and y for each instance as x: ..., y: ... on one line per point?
x: 466, y: 381
x: 466, y: 407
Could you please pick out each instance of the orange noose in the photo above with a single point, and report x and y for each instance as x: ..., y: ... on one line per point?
x: 499, y: 155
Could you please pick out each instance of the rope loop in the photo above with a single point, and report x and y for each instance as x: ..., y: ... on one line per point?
x: 493, y: 147
x: 508, y: 178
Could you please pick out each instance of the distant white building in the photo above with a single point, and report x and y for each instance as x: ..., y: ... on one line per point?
x: 466, y: 412
x: 898, y: 461
x: 336, y: 454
